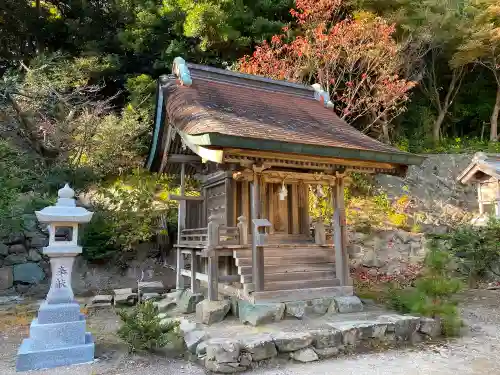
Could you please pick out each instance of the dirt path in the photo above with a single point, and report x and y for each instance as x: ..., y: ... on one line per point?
x: 476, y: 353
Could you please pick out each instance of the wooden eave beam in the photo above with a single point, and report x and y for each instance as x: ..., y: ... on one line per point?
x: 277, y: 159
x: 179, y: 158
x: 174, y: 197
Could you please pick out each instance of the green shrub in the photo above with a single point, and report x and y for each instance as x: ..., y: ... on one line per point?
x: 477, y: 249
x: 142, y: 329
x: 434, y: 294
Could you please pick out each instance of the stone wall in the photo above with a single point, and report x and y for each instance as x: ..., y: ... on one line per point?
x: 387, y: 252
x: 23, y: 268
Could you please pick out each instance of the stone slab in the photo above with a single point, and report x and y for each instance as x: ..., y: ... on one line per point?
x: 210, y: 312
x: 260, y: 347
x: 151, y: 296
x: 258, y: 314
x: 347, y: 304
x: 57, y: 335
x: 187, y: 301
x: 102, y: 299
x: 151, y: 287
x: 125, y: 299
x: 193, y: 338
x: 165, y: 305
x: 57, y: 313
x: 29, y: 359
x: 291, y: 341
x: 304, y: 355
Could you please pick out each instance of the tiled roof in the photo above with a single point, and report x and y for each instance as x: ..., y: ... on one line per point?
x: 231, y: 109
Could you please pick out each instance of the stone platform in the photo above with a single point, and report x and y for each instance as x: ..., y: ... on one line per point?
x: 232, y: 346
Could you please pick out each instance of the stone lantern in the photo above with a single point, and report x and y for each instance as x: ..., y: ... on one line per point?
x: 58, y: 336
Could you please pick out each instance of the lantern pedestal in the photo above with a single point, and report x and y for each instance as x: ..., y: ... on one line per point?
x: 58, y: 336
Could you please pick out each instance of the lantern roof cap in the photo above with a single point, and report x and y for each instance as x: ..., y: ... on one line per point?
x: 65, y: 210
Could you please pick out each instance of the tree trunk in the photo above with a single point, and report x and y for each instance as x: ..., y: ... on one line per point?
x: 494, y: 117
x: 436, y: 127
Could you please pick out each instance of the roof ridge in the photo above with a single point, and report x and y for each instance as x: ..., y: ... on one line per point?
x: 249, y: 80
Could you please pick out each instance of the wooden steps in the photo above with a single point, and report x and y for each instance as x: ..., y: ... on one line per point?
x: 302, y: 284
x: 291, y: 276
x: 247, y: 270
x: 285, y: 261
x: 288, y: 295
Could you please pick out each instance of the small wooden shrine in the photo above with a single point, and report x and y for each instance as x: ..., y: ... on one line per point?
x: 484, y: 172
x: 256, y: 145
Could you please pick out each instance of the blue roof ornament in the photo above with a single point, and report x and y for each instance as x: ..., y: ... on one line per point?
x: 181, y: 70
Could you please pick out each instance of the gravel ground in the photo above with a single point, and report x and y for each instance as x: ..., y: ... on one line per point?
x: 474, y: 353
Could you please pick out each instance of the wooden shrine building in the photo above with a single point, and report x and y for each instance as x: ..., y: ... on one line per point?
x: 256, y: 145
x: 484, y: 172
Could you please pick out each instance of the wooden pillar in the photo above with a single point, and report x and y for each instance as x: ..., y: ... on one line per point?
x: 480, y: 199
x: 295, y: 209
x: 229, y: 202
x: 270, y: 215
x: 243, y: 230
x: 213, y: 259
x: 181, y: 223
x: 257, y: 251
x: 245, y: 200
x: 340, y: 234
x: 194, y: 269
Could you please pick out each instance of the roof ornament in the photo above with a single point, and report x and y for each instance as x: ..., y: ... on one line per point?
x: 180, y: 69
x: 322, y: 96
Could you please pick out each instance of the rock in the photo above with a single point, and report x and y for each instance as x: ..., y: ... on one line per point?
x: 39, y: 241
x: 223, y: 350
x: 174, y: 296
x: 6, y: 278
x: 304, y: 355
x: 151, y: 287
x: 34, y: 256
x: 28, y: 273
x: 327, y: 352
x: 165, y: 305
x: 257, y: 314
x: 123, y: 291
x: 260, y: 347
x: 405, y: 237
x: 14, y: 238
x: 292, y: 341
x: 7, y: 300
x: 326, y: 338
x: 14, y: 259
x: 102, y: 299
x: 223, y: 368
x: 347, y: 304
x: 201, y: 349
x: 210, y: 312
x: 301, y: 309
x: 402, y: 326
x: 125, y: 299
x: 193, y: 338
x: 430, y: 327
x: 18, y: 248
x: 151, y: 297
x: 4, y: 249
x: 187, y: 301
x: 245, y: 359
x: 234, y: 307
x: 353, y: 331
x: 186, y: 325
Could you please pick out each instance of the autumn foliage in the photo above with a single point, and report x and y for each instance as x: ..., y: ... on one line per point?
x: 354, y: 58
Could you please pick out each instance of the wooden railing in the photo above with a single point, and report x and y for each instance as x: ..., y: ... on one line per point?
x: 222, y: 235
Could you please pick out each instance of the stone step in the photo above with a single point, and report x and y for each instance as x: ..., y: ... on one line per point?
x: 300, y: 284
x: 271, y: 269
x: 284, y: 261
x: 275, y: 296
x: 292, y: 276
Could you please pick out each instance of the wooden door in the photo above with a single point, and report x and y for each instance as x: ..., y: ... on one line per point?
x: 280, y: 210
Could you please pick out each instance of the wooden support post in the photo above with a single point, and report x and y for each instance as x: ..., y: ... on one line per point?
x: 340, y: 234
x: 243, y: 230
x: 319, y: 233
x: 257, y: 251
x: 213, y: 259
x: 229, y: 202
x: 245, y: 200
x: 304, y: 209
x: 181, y: 223
x: 194, y: 270
x: 295, y: 209
x: 270, y: 215
x: 480, y: 199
